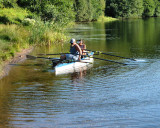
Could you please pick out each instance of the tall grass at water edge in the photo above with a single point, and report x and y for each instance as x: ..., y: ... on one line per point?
x: 14, y: 38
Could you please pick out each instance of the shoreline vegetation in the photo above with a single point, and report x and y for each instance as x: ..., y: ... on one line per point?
x: 26, y: 23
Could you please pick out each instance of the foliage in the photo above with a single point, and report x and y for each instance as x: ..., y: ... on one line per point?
x: 136, y: 8
x: 51, y: 10
x: 98, y: 8
x: 81, y: 9
x: 8, y: 3
x: 157, y: 9
x: 132, y: 8
x: 88, y: 10
x: 149, y: 8
x: 117, y: 8
x: 12, y: 15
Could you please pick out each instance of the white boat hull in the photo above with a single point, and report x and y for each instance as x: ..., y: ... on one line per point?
x: 65, y: 68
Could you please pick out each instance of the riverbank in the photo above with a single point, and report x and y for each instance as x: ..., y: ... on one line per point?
x: 16, y: 41
x: 19, y: 57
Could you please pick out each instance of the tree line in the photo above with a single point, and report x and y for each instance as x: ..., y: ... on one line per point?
x: 132, y: 8
x: 65, y: 11
x: 60, y: 11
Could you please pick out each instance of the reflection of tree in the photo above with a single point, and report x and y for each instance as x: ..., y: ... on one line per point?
x: 141, y: 34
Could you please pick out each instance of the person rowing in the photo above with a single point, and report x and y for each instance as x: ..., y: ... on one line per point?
x: 75, y: 52
x: 82, y: 46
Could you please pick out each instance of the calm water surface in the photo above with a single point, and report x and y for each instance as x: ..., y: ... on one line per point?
x: 106, y: 95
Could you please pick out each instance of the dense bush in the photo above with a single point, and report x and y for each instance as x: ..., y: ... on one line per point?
x: 12, y: 15
x: 8, y: 3
x: 149, y: 8
x: 57, y: 11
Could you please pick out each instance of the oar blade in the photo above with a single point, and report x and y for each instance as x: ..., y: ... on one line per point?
x: 35, y: 57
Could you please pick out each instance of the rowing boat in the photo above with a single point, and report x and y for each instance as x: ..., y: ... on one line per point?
x: 76, y: 66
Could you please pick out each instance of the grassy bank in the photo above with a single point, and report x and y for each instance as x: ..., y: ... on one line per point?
x: 14, y: 38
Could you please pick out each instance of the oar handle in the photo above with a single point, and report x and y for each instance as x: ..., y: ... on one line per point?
x: 53, y: 54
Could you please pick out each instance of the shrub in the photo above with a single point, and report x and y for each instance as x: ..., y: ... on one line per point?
x: 12, y: 15
x: 28, y: 21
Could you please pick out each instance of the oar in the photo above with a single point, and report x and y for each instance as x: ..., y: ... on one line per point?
x: 109, y: 60
x: 112, y: 55
x: 53, y: 54
x: 35, y: 57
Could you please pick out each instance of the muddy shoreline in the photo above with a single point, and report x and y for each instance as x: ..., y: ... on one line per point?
x: 19, y: 57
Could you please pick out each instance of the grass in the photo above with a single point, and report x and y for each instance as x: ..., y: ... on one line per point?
x: 14, y: 38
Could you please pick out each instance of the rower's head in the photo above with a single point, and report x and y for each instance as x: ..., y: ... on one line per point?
x: 80, y: 42
x: 73, y: 41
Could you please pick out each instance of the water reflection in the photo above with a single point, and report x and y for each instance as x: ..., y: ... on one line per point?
x: 77, y: 77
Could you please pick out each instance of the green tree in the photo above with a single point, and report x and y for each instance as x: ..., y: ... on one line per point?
x: 81, y: 7
x: 59, y: 11
x: 89, y: 10
x: 136, y: 8
x: 8, y: 3
x: 117, y: 8
x: 157, y: 9
x: 149, y: 8
x: 98, y: 8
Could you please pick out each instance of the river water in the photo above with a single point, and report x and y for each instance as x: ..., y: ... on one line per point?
x: 106, y: 95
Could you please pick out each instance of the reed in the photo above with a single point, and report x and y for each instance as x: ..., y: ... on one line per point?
x: 46, y: 34
x: 14, y: 38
